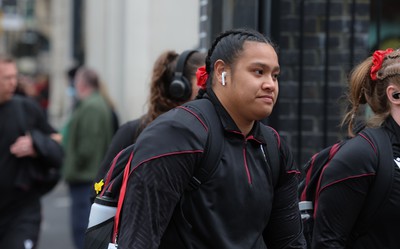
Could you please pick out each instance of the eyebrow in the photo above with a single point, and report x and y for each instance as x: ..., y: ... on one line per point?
x: 263, y: 65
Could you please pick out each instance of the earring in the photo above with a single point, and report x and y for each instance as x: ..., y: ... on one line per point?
x: 223, y: 78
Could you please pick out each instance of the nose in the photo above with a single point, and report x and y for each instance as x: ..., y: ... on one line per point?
x: 270, y: 83
x: 12, y: 81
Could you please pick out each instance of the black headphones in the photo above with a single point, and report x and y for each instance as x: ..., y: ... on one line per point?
x: 181, y: 87
x: 396, y: 95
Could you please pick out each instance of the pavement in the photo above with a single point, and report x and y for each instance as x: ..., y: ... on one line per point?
x: 55, y: 230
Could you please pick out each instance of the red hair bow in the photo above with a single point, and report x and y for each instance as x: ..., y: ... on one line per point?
x: 202, y: 76
x: 377, y: 60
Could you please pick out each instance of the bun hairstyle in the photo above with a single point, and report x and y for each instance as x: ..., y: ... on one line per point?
x: 367, y: 85
x: 228, y: 46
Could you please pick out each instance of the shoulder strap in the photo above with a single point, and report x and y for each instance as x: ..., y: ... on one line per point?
x: 384, y: 176
x: 214, y: 145
x: 121, y: 198
x: 313, y: 168
x: 272, y: 139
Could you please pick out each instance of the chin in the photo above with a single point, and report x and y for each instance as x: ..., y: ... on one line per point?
x: 268, y: 112
x: 263, y: 115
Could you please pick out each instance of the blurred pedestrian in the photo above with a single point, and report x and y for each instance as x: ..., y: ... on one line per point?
x: 42, y: 87
x: 88, y: 134
x: 114, y: 116
x: 73, y: 98
x: 29, y: 148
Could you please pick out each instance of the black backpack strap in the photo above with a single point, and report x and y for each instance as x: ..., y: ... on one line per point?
x: 272, y: 139
x: 380, y: 190
x: 214, y: 145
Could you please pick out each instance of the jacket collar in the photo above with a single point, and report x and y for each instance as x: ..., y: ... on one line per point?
x: 229, y: 124
x: 391, y: 124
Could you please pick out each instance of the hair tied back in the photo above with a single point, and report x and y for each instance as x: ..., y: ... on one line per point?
x: 202, y: 77
x: 377, y: 60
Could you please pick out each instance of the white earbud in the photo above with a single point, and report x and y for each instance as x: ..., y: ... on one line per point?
x: 223, y: 78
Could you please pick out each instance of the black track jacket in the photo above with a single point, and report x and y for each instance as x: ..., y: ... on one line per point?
x: 345, y: 188
x: 236, y: 208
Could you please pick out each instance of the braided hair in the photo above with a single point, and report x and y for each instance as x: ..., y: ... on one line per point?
x: 227, y: 47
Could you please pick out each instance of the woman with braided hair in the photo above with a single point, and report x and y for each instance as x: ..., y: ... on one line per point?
x: 351, y: 183
x: 249, y: 200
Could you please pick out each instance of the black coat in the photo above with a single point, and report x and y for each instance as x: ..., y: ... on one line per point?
x: 19, y: 176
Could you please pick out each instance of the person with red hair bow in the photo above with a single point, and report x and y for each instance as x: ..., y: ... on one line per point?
x: 349, y: 184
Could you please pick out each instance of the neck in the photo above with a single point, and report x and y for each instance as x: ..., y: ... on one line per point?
x: 396, y: 114
x: 243, y: 124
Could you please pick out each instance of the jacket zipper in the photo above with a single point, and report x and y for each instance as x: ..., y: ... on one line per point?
x: 246, y: 166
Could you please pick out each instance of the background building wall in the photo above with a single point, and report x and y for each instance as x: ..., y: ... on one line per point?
x: 122, y: 39
x: 320, y: 41
x: 60, y: 60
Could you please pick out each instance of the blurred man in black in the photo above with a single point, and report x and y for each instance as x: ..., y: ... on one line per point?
x: 29, y: 146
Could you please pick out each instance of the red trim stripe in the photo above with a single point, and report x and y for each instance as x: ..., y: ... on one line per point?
x: 121, y: 198
x: 110, y: 171
x: 335, y: 182
x: 194, y: 114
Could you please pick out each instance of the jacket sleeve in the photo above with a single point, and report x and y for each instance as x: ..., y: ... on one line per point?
x: 344, y: 186
x: 165, y: 156
x: 284, y: 228
x: 50, y: 152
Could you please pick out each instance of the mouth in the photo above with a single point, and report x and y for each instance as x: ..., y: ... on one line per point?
x: 267, y: 98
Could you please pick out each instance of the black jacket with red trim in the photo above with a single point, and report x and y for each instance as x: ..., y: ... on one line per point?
x: 236, y: 208
x: 345, y: 186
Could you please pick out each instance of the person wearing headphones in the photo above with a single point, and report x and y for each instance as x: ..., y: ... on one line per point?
x: 173, y: 82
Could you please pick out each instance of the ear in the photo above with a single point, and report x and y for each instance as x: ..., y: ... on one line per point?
x: 393, y: 94
x: 219, y: 67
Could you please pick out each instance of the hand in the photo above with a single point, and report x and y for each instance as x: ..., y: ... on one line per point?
x: 56, y: 137
x: 23, y: 147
